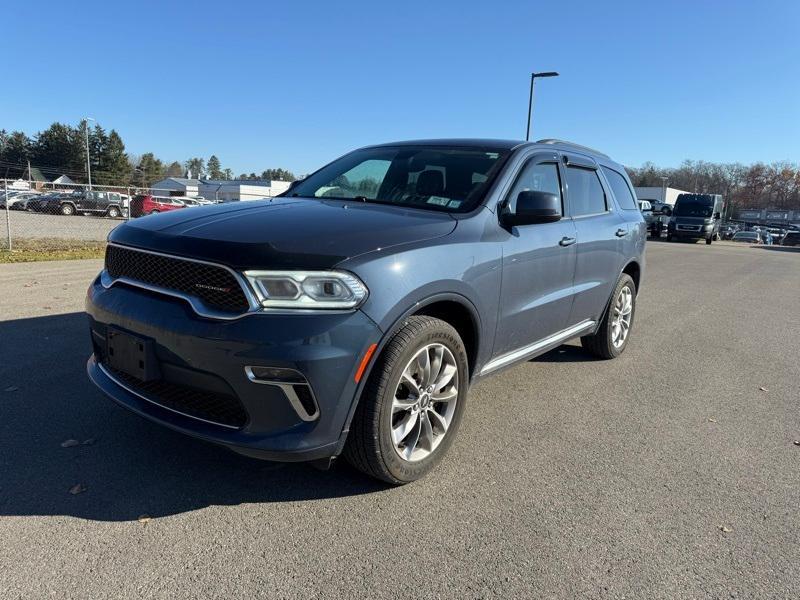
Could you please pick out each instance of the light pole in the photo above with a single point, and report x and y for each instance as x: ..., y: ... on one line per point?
x: 530, y: 98
x: 88, y: 162
x: 664, y: 189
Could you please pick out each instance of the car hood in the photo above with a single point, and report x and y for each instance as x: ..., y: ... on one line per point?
x: 282, y: 232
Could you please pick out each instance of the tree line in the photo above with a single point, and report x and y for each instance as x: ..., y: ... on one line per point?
x: 61, y: 150
x: 775, y: 185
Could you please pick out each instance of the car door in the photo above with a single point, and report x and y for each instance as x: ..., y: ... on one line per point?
x: 600, y: 230
x: 538, y: 265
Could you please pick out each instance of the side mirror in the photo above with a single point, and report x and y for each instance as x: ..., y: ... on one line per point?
x: 534, y: 207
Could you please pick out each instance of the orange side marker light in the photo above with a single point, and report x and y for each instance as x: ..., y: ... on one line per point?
x: 365, y: 361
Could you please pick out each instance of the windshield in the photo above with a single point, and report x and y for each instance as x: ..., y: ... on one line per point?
x: 692, y: 209
x: 435, y: 178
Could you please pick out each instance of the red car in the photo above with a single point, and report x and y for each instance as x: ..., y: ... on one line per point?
x: 149, y: 205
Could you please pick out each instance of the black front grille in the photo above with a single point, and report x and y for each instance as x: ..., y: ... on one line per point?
x: 217, y: 408
x: 215, y: 286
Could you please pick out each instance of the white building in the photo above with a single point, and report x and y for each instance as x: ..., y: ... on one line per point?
x: 220, y: 190
x: 659, y: 194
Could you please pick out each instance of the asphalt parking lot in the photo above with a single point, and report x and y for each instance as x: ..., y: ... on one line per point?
x: 669, y: 473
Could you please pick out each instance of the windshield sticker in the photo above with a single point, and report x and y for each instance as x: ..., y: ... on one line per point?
x: 454, y: 204
x: 438, y: 200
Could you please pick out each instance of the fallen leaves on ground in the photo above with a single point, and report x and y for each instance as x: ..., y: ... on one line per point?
x: 76, y: 489
x: 797, y: 442
x: 144, y: 518
x: 712, y: 420
x: 763, y: 389
x: 69, y: 443
x: 724, y: 529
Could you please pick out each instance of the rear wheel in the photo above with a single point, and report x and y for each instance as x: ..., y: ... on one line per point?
x: 153, y: 212
x: 709, y: 240
x: 411, y: 407
x: 67, y: 210
x: 612, y: 336
x: 669, y: 237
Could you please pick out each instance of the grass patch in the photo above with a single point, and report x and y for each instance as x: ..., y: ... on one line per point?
x: 30, y: 250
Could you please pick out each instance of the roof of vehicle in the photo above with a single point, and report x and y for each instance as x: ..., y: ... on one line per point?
x: 498, y: 144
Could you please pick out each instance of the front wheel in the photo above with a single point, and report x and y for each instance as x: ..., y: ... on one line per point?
x: 669, y: 237
x: 113, y: 212
x: 612, y: 336
x: 67, y: 210
x: 412, y: 404
x: 709, y: 240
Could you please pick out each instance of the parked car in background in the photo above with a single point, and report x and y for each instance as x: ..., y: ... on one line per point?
x: 696, y: 217
x: 747, y: 237
x: 193, y: 201
x: 148, y: 204
x: 20, y: 200
x: 792, y: 238
x: 309, y: 326
x: 50, y: 203
x: 728, y: 231
x: 83, y: 202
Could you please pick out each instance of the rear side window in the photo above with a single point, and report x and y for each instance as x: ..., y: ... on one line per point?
x: 620, y: 188
x: 586, y: 195
x: 541, y: 177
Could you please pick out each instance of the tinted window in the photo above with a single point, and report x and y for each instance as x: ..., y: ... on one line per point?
x: 620, y: 188
x: 432, y: 177
x: 586, y: 196
x: 542, y: 177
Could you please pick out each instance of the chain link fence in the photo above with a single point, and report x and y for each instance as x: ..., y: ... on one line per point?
x: 41, y: 220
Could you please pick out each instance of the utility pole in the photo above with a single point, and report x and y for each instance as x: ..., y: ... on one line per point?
x: 88, y: 162
x: 29, y: 174
x: 530, y: 98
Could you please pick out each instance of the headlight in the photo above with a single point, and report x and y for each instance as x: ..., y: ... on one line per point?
x: 307, y: 289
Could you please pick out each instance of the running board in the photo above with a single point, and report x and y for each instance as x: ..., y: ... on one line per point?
x: 528, y: 351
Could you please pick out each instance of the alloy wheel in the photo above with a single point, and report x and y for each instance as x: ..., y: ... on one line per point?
x: 621, y: 317
x: 424, y: 402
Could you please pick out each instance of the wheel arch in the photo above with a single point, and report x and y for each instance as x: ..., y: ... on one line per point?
x: 434, y: 305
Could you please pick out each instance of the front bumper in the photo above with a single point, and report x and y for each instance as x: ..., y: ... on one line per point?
x: 695, y: 234
x: 197, y: 354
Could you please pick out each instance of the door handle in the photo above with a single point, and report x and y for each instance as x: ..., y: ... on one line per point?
x: 567, y: 241
x: 621, y: 232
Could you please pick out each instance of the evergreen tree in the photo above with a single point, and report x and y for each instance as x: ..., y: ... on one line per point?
x: 15, y: 150
x: 214, y: 168
x: 174, y: 169
x: 59, y: 148
x: 150, y: 169
x: 114, y: 168
x: 196, y: 166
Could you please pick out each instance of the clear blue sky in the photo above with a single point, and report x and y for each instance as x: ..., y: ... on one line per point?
x: 294, y: 84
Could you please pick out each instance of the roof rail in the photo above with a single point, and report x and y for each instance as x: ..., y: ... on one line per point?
x: 572, y: 145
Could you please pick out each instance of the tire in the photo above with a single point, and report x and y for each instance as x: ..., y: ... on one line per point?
x: 113, y: 212
x: 67, y: 210
x: 370, y: 446
x: 669, y: 237
x: 153, y: 212
x: 709, y: 240
x: 601, y: 344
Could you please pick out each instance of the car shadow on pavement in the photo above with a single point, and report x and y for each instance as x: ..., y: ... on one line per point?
x: 123, y: 466
x: 571, y: 352
x: 779, y: 248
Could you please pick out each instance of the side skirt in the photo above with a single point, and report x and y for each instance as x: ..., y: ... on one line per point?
x: 539, y: 347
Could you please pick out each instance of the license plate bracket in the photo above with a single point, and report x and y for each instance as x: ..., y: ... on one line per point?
x: 132, y: 355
